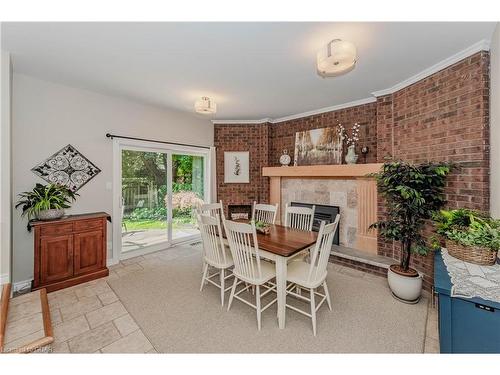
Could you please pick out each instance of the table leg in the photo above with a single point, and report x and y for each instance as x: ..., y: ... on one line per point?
x: 281, y: 265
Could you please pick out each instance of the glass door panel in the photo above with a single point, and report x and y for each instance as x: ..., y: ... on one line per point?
x: 144, y: 199
x: 188, y: 191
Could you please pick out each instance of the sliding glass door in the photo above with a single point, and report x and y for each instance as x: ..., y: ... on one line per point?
x: 144, y: 199
x: 188, y: 191
x: 159, y: 189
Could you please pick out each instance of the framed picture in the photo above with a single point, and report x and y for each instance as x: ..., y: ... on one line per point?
x: 236, y: 167
x: 318, y: 146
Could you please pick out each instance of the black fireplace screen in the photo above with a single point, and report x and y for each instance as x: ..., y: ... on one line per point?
x: 322, y: 213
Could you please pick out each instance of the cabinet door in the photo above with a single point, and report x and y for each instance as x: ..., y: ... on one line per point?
x: 56, y: 258
x: 88, y: 251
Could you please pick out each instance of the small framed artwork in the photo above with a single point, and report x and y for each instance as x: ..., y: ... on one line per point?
x: 236, y: 167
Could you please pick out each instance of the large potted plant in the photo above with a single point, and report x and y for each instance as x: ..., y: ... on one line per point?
x: 470, y: 235
x: 412, y: 193
x: 45, y: 202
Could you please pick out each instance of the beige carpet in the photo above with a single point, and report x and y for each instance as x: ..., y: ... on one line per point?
x: 165, y: 301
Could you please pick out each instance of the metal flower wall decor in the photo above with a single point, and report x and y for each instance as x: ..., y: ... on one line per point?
x: 67, y: 167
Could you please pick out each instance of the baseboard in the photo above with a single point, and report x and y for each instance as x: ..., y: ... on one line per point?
x: 20, y: 285
x: 4, y: 278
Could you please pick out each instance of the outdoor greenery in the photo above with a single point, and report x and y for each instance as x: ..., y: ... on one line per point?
x: 412, y: 193
x: 149, y: 170
x: 45, y: 197
x: 468, y: 228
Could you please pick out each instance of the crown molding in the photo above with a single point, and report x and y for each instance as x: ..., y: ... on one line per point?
x: 325, y: 109
x: 482, y: 45
x: 242, y: 122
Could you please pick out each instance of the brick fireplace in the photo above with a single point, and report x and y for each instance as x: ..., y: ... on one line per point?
x: 443, y: 117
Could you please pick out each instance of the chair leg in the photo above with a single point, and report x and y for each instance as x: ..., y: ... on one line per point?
x: 222, y: 287
x: 205, y: 270
x: 232, y: 293
x: 327, y: 294
x: 257, y: 298
x: 313, y: 311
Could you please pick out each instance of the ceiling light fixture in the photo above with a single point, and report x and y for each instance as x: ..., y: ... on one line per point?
x: 205, y: 106
x: 336, y: 58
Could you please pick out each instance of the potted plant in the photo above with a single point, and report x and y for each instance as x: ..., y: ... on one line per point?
x: 45, y: 202
x: 470, y: 235
x: 413, y: 193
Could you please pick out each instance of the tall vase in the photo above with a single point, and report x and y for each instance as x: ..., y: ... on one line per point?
x: 351, y: 157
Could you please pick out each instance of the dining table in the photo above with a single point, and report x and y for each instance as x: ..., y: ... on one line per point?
x: 281, y: 245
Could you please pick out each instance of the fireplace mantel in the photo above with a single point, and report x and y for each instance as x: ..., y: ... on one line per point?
x: 366, y: 192
x: 341, y: 170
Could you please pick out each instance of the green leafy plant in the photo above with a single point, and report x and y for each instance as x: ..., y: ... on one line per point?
x: 468, y: 228
x: 413, y: 193
x: 45, y: 197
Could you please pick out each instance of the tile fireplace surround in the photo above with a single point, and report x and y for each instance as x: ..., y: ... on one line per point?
x: 346, y: 186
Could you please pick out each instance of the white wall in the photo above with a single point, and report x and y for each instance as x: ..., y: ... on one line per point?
x: 495, y: 123
x: 47, y: 116
x: 5, y: 168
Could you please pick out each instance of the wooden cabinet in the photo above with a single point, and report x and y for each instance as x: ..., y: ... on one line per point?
x: 70, y: 250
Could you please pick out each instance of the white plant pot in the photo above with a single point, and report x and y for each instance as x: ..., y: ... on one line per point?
x: 405, y: 288
x: 51, y: 214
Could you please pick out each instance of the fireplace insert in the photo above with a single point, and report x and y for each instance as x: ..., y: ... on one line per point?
x: 322, y: 213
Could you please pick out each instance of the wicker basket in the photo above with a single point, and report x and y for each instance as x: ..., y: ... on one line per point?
x: 472, y: 254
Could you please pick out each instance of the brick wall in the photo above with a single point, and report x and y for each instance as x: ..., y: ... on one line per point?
x: 283, y: 133
x: 242, y: 137
x: 444, y: 117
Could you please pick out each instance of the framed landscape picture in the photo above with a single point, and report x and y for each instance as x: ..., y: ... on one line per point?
x: 236, y: 167
x: 318, y: 146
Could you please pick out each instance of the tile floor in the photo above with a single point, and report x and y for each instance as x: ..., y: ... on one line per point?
x: 89, y: 318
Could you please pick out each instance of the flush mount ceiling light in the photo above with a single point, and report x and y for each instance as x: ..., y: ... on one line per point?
x: 205, y: 106
x: 336, y: 58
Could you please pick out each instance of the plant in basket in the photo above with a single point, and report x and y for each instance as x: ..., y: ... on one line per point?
x: 262, y: 227
x: 470, y: 235
x: 412, y: 193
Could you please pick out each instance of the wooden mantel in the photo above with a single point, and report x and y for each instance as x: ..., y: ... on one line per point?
x: 342, y: 170
x: 366, y: 191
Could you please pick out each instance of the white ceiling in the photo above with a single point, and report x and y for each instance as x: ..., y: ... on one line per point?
x: 252, y: 70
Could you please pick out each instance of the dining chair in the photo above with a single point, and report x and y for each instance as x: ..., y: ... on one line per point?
x: 215, y: 254
x: 299, y: 217
x: 248, y: 267
x: 212, y: 209
x: 312, y: 275
x: 264, y: 212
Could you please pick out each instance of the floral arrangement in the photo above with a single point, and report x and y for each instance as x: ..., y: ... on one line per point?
x: 349, y: 140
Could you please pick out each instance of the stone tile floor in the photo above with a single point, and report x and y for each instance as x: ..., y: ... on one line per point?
x: 89, y: 318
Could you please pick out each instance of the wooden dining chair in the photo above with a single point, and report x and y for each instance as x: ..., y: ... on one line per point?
x: 248, y: 267
x: 264, y: 212
x: 301, y: 218
x: 312, y: 275
x: 212, y: 209
x: 215, y: 254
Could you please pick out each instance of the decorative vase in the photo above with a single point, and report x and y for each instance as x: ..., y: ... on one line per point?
x: 351, y: 157
x: 51, y: 214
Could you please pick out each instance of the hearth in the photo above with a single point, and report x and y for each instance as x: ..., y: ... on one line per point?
x: 239, y: 211
x: 322, y: 213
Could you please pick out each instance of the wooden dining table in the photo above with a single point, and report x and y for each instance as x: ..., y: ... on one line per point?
x: 281, y: 245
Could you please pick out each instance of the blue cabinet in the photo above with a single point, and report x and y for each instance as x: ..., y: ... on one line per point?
x: 466, y: 325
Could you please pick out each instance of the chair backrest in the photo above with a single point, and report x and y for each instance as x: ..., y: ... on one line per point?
x: 264, y: 212
x: 211, y: 236
x: 322, y: 249
x: 212, y: 209
x: 299, y: 217
x: 244, y: 248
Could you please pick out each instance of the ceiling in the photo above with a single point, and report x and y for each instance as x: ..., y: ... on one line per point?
x: 252, y: 70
